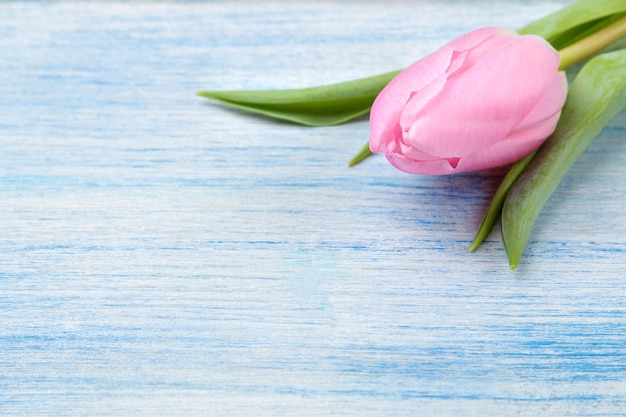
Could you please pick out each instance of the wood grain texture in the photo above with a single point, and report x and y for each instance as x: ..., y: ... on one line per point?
x: 163, y: 255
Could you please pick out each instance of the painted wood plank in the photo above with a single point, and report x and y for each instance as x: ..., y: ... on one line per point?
x: 162, y: 255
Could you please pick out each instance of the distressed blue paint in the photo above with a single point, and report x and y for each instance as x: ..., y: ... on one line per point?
x: 162, y: 255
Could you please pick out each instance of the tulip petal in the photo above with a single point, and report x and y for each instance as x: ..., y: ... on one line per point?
x: 504, y: 152
x: 515, y: 147
x: 550, y: 104
x: 481, y: 107
x: 431, y: 167
x: 387, y: 108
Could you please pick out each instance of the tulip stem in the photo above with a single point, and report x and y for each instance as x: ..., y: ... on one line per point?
x: 593, y: 43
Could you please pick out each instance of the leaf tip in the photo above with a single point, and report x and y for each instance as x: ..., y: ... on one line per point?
x: 475, y: 244
x: 514, y: 254
x: 361, y: 155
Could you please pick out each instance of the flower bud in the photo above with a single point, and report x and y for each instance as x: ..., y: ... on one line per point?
x: 486, y: 99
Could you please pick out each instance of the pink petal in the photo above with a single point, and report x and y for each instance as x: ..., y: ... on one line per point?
x: 516, y: 146
x: 500, y: 154
x: 434, y: 167
x: 549, y: 105
x: 480, y: 108
x: 387, y: 108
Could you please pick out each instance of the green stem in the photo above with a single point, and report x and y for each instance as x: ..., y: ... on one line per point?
x: 593, y: 43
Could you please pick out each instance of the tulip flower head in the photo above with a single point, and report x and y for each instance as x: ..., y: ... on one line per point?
x: 486, y: 99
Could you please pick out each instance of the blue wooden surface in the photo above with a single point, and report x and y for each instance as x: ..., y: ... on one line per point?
x: 162, y: 255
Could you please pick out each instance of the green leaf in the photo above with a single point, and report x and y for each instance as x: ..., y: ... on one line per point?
x: 315, y: 106
x: 597, y: 94
x: 365, y: 152
x: 495, y: 207
x: 566, y: 25
x: 578, y: 33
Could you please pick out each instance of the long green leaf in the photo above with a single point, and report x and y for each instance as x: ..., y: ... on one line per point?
x: 495, y: 207
x: 596, y: 96
x: 575, y: 34
x: 577, y: 17
x: 315, y: 106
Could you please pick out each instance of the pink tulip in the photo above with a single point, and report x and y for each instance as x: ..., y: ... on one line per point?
x: 486, y: 99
